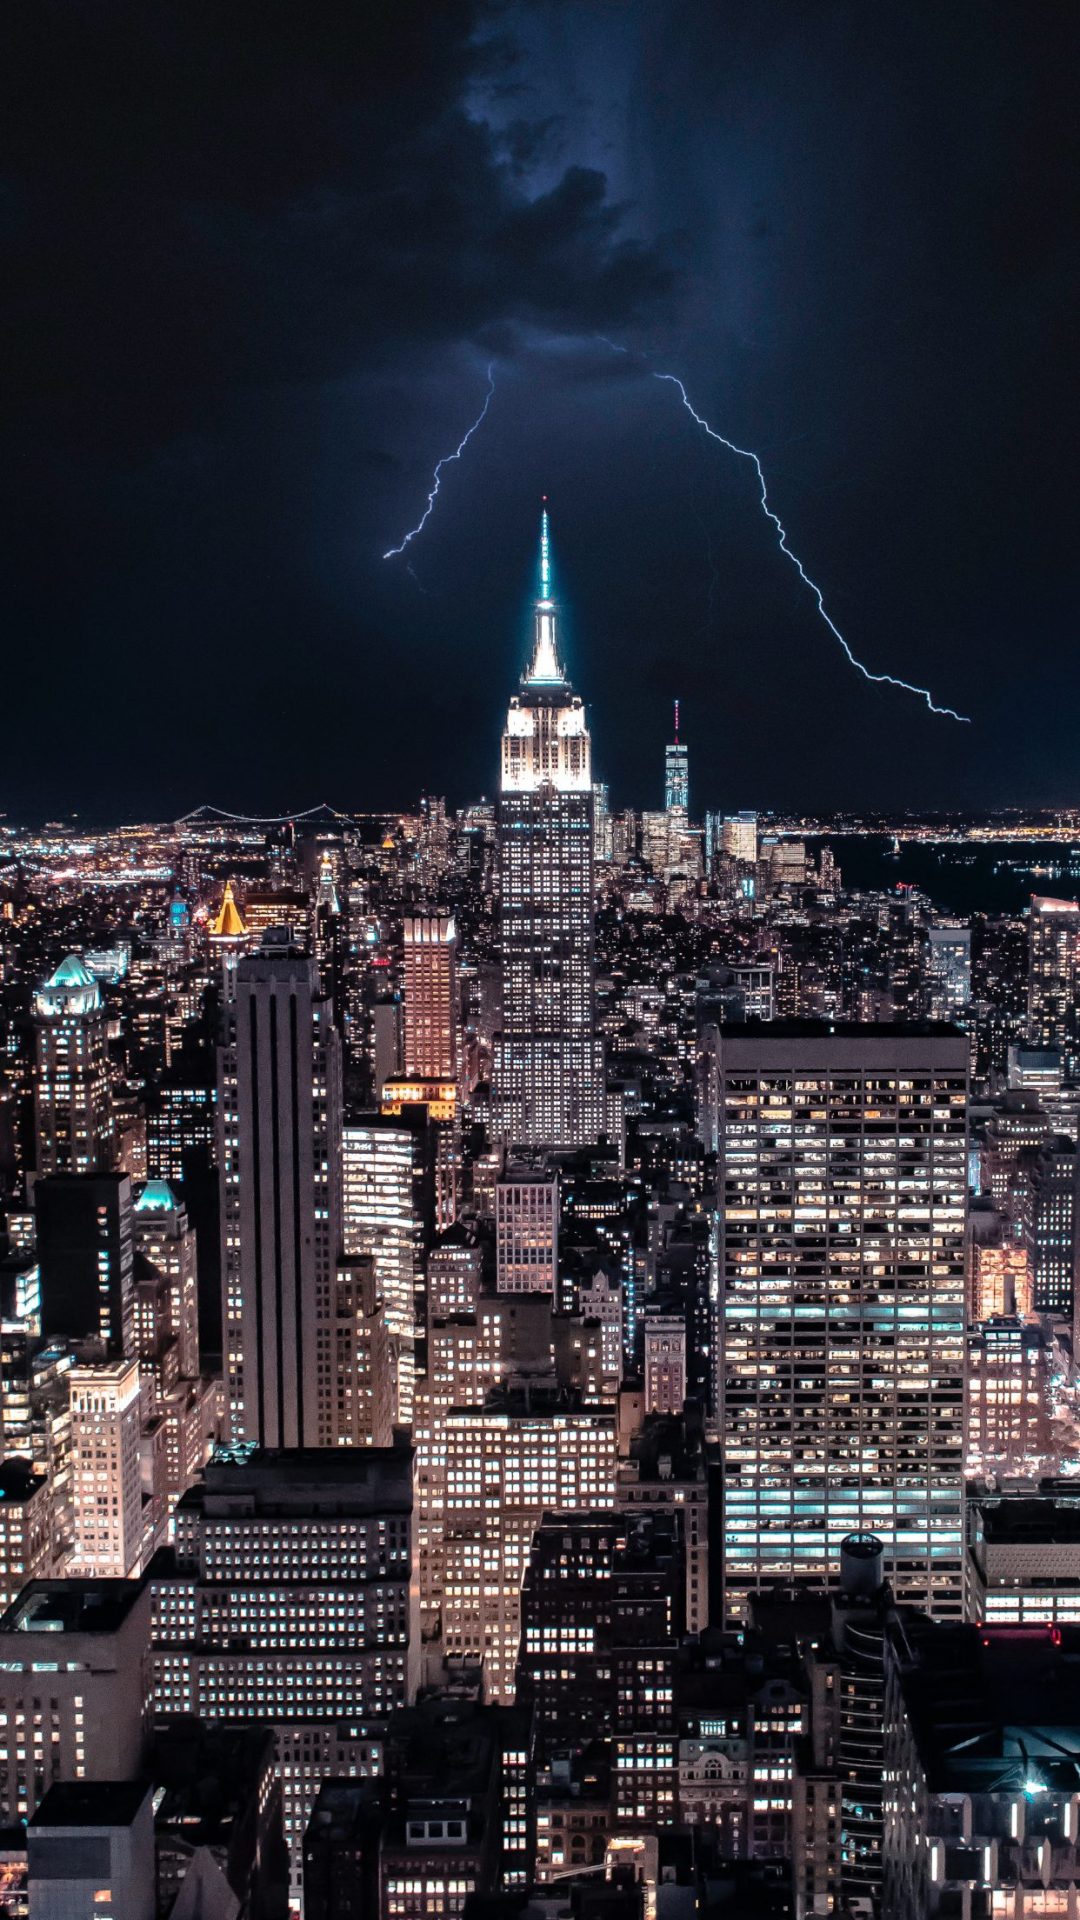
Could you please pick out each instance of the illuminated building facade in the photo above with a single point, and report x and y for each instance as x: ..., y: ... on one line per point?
x: 163, y: 1237
x: 1053, y: 958
x: 1008, y: 1398
x: 26, y: 1520
x: 601, y: 1617
x: 739, y: 838
x: 840, y: 1303
x: 106, y: 1485
x: 280, y: 1160
x: 71, y: 1076
x: 507, y: 1464
x: 387, y: 1202
x: 948, y: 968
x: 288, y: 1599
x: 429, y: 997
x: 549, y: 1072
x: 676, y: 772
x: 73, y: 1687
x: 1024, y: 1557
x: 665, y: 1362
x: 527, y: 1231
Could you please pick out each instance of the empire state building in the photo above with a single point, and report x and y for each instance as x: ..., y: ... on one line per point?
x: 549, y: 1067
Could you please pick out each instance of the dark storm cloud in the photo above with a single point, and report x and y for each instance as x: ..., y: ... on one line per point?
x: 201, y: 197
x: 258, y: 255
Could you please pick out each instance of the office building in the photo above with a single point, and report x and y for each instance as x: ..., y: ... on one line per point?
x: 287, y: 1598
x: 388, y: 1198
x: 999, y: 1264
x: 1009, y: 1398
x: 217, y: 1819
x: 166, y: 1241
x: 948, y: 972
x: 1053, y: 955
x: 363, y: 1358
x: 26, y: 1522
x: 665, y: 1360
x: 838, y: 1776
x: 73, y: 1687
x: 840, y: 1280
x: 523, y: 1454
x: 982, y: 1770
x: 106, y: 1485
x: 447, y: 1820
x: 663, y: 1465
x: 72, y: 1111
x: 281, y: 1199
x: 739, y: 838
x: 601, y: 1617
x: 90, y: 1852
x: 502, y: 1337
x: 1024, y: 1556
x: 549, y: 1072
x: 85, y: 1245
x: 455, y: 1271
x: 527, y: 1231
x: 1049, y: 1210
x: 429, y: 997
x: 676, y: 772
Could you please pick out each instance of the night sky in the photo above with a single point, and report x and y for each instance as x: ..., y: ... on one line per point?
x: 257, y: 257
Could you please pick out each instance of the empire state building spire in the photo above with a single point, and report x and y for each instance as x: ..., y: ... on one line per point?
x: 545, y: 670
x: 549, y: 1063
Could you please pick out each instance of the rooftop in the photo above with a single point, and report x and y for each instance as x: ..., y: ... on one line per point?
x: 90, y: 1803
x: 18, y: 1481
x: 72, y: 1606
x: 1031, y: 1522
x: 992, y: 1709
x: 265, y: 1481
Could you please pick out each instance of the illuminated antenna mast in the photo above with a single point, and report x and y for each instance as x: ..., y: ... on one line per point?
x: 545, y: 669
x: 545, y: 555
x: 676, y: 723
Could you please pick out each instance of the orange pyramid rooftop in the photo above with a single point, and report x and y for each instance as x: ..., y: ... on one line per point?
x: 227, y: 924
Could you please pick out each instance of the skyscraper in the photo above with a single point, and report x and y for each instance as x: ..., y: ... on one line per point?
x: 1053, y: 953
x: 71, y: 1080
x: 430, y: 1022
x: 840, y: 1287
x: 948, y: 966
x: 527, y: 1231
x: 106, y: 1494
x: 85, y: 1247
x: 280, y: 1159
x: 388, y: 1188
x: 549, y: 1070
x: 676, y: 772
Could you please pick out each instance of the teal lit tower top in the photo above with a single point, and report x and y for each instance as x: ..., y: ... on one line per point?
x: 544, y: 670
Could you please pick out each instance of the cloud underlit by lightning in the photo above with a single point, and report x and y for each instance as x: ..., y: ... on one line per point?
x: 880, y: 679
x: 392, y: 552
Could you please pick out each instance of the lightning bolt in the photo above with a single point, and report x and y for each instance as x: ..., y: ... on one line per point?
x: 392, y: 552
x: 879, y: 679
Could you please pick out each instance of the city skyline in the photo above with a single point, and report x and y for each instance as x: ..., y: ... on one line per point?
x: 539, y: 964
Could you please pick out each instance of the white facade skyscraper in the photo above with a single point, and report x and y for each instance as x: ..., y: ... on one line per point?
x: 549, y: 1069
